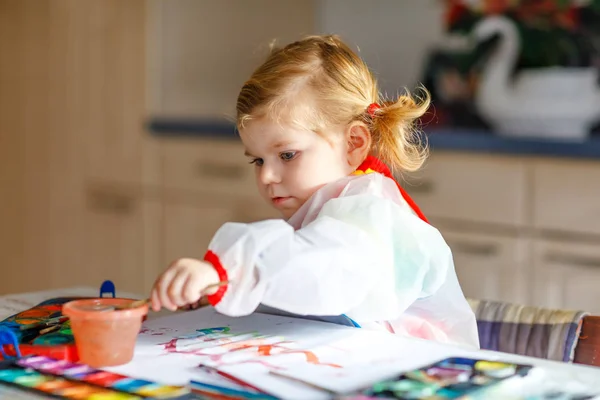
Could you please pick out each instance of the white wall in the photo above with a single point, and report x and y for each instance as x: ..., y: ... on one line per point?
x: 202, y: 51
x: 393, y: 35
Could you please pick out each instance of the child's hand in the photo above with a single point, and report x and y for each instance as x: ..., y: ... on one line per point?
x: 183, y: 283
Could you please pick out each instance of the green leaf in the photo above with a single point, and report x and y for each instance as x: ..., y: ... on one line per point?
x: 595, y: 5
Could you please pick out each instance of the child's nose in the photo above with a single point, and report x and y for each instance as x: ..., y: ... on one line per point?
x: 269, y: 175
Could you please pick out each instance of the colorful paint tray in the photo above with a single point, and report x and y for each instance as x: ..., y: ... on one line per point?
x: 59, y: 343
x: 452, y: 378
x: 65, y: 379
x: 16, y: 341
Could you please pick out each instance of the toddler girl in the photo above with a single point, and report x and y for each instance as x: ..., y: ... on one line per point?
x: 353, y: 243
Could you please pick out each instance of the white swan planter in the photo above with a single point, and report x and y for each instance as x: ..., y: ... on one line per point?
x: 554, y: 103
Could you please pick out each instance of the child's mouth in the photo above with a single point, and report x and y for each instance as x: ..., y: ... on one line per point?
x: 280, y: 200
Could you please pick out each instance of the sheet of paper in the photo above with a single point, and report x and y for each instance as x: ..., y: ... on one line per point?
x: 170, y: 349
x: 293, y: 358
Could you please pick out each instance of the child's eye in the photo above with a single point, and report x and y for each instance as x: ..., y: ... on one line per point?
x: 288, y: 155
x: 257, y: 161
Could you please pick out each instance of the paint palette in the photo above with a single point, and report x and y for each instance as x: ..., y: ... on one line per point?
x: 41, y: 329
x: 451, y: 378
x: 64, y: 379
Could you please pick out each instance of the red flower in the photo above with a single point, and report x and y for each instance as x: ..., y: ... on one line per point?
x: 495, y: 6
x: 455, y: 9
x: 568, y: 18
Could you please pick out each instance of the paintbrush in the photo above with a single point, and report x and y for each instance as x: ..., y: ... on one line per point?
x: 142, y: 302
x: 49, y: 322
x: 50, y: 329
x: 31, y: 331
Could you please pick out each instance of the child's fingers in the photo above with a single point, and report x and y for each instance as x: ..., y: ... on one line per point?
x: 192, y: 290
x: 175, y: 291
x: 162, y: 287
x: 154, y: 300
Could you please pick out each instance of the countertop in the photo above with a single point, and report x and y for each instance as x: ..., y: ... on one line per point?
x: 451, y: 139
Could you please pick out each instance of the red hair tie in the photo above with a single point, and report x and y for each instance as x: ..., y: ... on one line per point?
x: 372, y: 108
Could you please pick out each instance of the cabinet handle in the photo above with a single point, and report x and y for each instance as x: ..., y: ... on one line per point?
x: 419, y: 187
x: 476, y: 249
x: 223, y: 171
x: 110, y: 202
x: 572, y: 259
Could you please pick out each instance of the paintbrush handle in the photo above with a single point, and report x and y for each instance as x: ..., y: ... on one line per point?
x: 140, y: 303
x: 49, y: 322
x: 213, y: 286
x: 50, y: 329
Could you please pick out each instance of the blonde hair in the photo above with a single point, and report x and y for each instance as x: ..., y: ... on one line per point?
x: 342, y: 87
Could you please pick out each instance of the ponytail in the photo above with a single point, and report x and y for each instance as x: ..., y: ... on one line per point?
x: 396, y: 139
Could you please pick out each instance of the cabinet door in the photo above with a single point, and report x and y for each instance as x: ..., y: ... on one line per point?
x: 109, y: 56
x: 567, y: 275
x: 121, y: 241
x: 490, y: 267
x: 208, y: 167
x: 471, y: 188
x: 566, y: 196
x: 253, y: 211
x: 189, y: 228
x: 72, y: 107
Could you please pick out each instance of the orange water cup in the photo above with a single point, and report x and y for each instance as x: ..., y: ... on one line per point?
x: 103, y: 335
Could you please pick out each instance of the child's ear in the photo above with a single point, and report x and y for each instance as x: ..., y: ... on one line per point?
x: 358, y: 138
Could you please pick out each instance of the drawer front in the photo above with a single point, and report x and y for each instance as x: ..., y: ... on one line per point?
x: 208, y: 166
x: 490, y: 267
x: 189, y: 228
x: 567, y: 196
x: 567, y: 275
x: 471, y: 188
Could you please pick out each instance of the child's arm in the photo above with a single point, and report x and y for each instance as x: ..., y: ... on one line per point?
x: 343, y: 262
x: 325, y: 268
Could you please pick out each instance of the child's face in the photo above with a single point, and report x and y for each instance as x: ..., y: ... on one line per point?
x: 291, y: 163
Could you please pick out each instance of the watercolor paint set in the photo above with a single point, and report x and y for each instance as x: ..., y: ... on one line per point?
x: 65, y: 379
x: 451, y: 378
x: 42, y: 329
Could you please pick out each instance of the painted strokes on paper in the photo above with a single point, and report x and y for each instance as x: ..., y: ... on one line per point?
x: 224, y: 347
x: 157, y: 331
